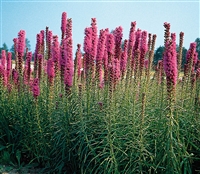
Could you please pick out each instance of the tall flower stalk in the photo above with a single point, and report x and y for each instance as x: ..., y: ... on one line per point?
x: 123, y: 63
x: 35, y: 88
x: 56, y: 54
x: 170, y: 66
x: 27, y: 69
x: 143, y: 51
x: 50, y: 71
x: 110, y: 43
x: 118, y: 39
x: 38, y: 50
x: 135, y: 61
x: 15, y: 40
x: 3, y: 67
x: 180, y: 52
x: 94, y: 42
x: 79, y: 61
x: 171, y: 71
x: 131, y: 43
x: 191, y: 60
x: 9, y: 66
x: 87, y: 48
x: 63, y: 24
x: 40, y: 65
x: 99, y: 58
x: 69, y: 70
x: 20, y: 49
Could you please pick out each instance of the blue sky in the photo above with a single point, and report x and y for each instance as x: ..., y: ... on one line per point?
x: 34, y: 16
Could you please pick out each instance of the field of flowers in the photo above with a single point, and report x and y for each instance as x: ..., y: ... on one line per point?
x: 106, y: 110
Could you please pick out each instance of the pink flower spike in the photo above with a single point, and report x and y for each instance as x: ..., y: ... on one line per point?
x: 69, y: 71
x: 94, y: 38
x: 40, y: 60
x: 3, y: 59
x: 79, y: 60
x: 124, y: 58
x: 27, y: 70
x: 35, y: 88
x: 15, y: 76
x: 138, y: 39
x: 191, y: 54
x: 143, y: 49
x: 3, y: 75
x: 132, y: 36
x: 63, y: 23
x: 20, y: 49
x: 110, y: 43
x: 87, y: 40
x: 170, y: 62
x: 9, y: 65
x: 69, y: 28
x: 100, y: 54
x: 50, y: 71
x: 118, y: 36
x: 56, y: 53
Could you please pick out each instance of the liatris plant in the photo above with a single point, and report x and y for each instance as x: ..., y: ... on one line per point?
x: 15, y: 40
x: 99, y: 57
x: 79, y: 61
x: 135, y: 48
x: 150, y: 56
x: 3, y: 67
x: 50, y: 71
x: 137, y: 64
x: 143, y: 51
x: 40, y: 64
x: 131, y: 43
x: 180, y: 52
x: 37, y: 51
x: 56, y: 54
x: 20, y: 49
x: 63, y: 60
x: 15, y: 77
x: 27, y: 69
x: 123, y: 64
x: 49, y: 42
x: 118, y: 38
x: 149, y: 41
x: 87, y: 48
x: 46, y: 42
x: 93, y: 51
x: 167, y: 32
x: 2, y: 76
x: 131, y: 40
x: 63, y: 24
x: 3, y: 59
x: 69, y: 28
x: 105, y: 63
x: 160, y: 72
x: 35, y: 88
x: 69, y: 71
x: 42, y: 42
x: 110, y: 43
x: 191, y: 60
x: 9, y: 66
x: 170, y: 66
x: 153, y: 42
